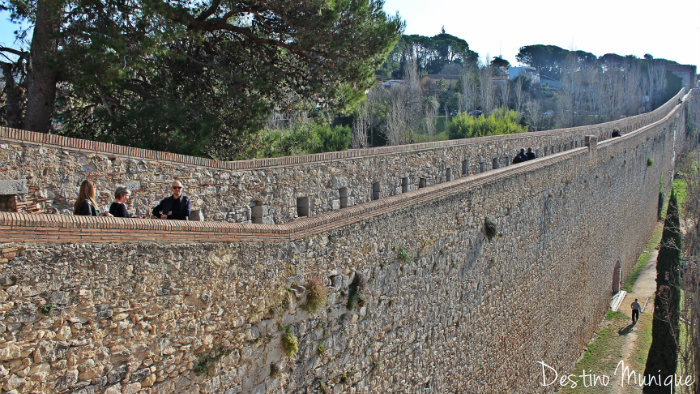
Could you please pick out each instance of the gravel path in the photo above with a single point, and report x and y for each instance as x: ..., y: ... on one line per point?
x: 643, y: 290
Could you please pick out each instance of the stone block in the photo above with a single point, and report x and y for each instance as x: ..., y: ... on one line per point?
x: 11, y: 187
x: 196, y: 215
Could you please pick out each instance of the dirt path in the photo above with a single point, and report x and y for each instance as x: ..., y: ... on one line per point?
x: 643, y: 290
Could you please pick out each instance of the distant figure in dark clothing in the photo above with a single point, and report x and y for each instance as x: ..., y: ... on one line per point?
x: 85, y: 205
x: 636, y: 308
x: 520, y: 157
x: 175, y: 207
x: 530, y: 154
x: 118, y: 207
x: 616, y: 133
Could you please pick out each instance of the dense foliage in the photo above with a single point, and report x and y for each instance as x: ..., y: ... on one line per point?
x: 503, y: 121
x: 432, y: 54
x: 193, y: 77
x: 302, y: 138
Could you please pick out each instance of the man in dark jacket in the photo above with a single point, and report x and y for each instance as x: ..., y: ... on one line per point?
x: 530, y: 154
x: 175, y: 207
x: 520, y: 157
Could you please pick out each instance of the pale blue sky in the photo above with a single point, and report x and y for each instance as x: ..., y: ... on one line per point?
x: 667, y: 29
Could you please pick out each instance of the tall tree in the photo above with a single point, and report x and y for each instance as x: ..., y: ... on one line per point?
x: 197, y: 77
x: 690, y: 354
x: 663, y: 353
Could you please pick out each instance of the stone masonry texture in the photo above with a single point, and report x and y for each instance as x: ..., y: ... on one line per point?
x: 419, y: 299
x: 53, y: 168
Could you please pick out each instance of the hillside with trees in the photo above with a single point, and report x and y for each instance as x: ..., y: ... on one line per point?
x: 427, y: 81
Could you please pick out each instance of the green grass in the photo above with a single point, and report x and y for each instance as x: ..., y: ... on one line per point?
x: 680, y: 187
x: 643, y: 258
x: 601, y: 355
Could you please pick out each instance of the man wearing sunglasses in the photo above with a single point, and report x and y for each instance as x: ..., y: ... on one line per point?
x: 175, y: 207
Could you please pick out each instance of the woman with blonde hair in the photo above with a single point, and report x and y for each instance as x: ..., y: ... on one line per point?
x: 118, y: 207
x: 85, y: 204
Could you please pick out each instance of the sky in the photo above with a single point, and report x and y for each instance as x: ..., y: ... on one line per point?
x: 668, y: 29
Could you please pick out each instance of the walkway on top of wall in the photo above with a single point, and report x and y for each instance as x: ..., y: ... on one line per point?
x: 112, y: 150
x: 16, y: 227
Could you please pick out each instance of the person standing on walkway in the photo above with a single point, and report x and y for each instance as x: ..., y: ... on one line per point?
x: 636, y: 308
x: 175, y: 207
x: 530, y: 154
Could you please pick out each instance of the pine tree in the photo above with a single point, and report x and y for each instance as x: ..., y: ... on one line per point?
x: 663, y: 353
x: 193, y: 77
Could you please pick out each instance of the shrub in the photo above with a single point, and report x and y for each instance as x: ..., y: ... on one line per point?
x: 206, y: 362
x: 46, y: 309
x: 650, y: 162
x: 290, y: 345
x: 316, y: 294
x: 404, y: 255
x: 503, y: 121
x: 304, y: 138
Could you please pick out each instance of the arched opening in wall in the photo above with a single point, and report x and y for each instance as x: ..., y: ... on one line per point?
x: 256, y: 212
x: 482, y: 165
x: 494, y: 162
x: 576, y: 144
x: 376, y: 191
x: 421, y: 183
x: 343, y: 192
x: 303, y: 206
x: 465, y: 167
x: 617, y: 278
x: 506, y: 160
x: 404, y: 184
x: 448, y: 174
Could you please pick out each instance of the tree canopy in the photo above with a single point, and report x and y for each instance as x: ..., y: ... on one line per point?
x: 193, y: 77
x: 432, y: 54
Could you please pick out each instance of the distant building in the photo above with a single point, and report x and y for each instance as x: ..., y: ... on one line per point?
x: 526, y: 71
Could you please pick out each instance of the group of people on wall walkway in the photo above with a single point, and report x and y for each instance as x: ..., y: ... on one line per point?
x: 175, y: 207
x: 522, y: 156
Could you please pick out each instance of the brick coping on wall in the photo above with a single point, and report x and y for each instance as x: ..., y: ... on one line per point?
x: 108, y: 149
x: 19, y: 227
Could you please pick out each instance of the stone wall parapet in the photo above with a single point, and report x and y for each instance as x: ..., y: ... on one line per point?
x: 54, y: 166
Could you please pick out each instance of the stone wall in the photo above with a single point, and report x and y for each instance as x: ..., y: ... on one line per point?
x: 419, y: 298
x: 269, y: 190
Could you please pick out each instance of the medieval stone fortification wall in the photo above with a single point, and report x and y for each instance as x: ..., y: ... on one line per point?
x: 54, y: 166
x: 419, y: 298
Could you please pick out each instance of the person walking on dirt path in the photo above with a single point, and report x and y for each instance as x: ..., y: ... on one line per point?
x: 636, y: 308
